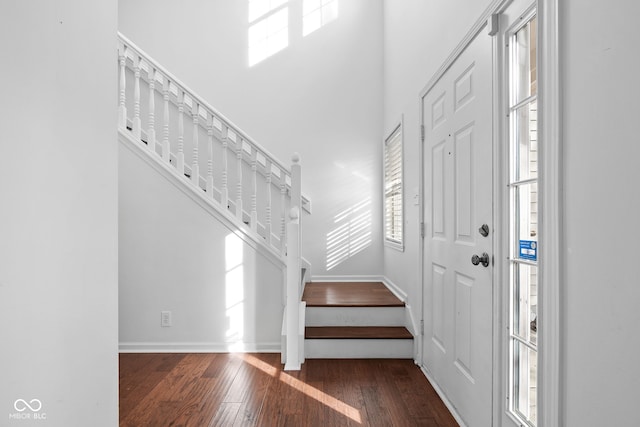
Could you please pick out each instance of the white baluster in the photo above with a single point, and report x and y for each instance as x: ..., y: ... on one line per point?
x: 166, y: 149
x: 195, y: 166
x: 254, y: 191
x: 224, y: 196
x: 296, y: 181
x: 210, y: 156
x: 122, y: 108
x: 267, y: 231
x: 137, y: 124
x: 180, y: 154
x: 283, y: 204
x: 295, y: 200
x: 239, y: 178
x: 151, y: 133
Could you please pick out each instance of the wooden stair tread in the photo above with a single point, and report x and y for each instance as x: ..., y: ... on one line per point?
x: 357, y: 332
x: 349, y: 294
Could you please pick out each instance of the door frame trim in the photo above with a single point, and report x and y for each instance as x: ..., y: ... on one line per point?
x: 551, y: 208
x: 481, y: 22
x: 550, y: 399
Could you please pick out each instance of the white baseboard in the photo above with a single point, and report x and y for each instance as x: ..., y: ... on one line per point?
x: 443, y: 396
x: 409, y: 322
x: 188, y: 347
x: 415, y: 331
x: 402, y: 295
x: 347, y: 278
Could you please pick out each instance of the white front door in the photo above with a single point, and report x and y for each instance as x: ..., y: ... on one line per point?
x: 458, y: 212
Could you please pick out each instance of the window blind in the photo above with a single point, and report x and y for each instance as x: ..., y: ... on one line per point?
x: 393, y: 187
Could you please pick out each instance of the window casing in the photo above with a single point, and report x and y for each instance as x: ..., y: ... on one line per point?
x: 393, y: 189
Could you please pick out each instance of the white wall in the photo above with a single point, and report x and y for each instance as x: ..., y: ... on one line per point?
x: 58, y: 212
x: 175, y: 256
x: 418, y: 37
x: 321, y: 97
x: 601, y: 292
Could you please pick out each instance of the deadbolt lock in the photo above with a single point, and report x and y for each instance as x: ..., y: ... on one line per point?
x: 484, y: 230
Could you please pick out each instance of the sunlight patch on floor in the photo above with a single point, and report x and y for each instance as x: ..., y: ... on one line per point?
x: 320, y: 396
x: 302, y: 387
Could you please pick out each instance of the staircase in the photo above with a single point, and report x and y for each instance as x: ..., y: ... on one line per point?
x: 220, y: 168
x: 355, y: 320
x: 260, y: 198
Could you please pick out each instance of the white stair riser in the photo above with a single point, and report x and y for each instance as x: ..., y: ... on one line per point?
x: 355, y: 316
x: 359, y: 348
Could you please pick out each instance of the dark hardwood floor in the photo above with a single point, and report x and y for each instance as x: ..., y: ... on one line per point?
x: 253, y: 390
x: 371, y: 332
x: 347, y: 294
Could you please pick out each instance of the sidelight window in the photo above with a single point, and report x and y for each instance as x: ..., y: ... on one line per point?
x: 523, y: 221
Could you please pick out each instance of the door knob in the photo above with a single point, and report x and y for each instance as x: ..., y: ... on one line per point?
x: 484, y: 259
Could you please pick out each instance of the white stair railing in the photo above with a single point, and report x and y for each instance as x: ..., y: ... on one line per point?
x: 240, y: 183
x: 230, y: 183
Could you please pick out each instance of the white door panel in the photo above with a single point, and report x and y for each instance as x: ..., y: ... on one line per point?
x: 457, y: 346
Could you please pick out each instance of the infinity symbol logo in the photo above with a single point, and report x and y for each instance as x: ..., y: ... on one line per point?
x: 21, y: 405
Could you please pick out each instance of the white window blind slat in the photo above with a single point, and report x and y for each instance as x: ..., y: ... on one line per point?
x: 393, y: 216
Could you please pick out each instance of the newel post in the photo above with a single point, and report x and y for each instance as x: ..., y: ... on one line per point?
x: 295, y: 330
x: 292, y: 289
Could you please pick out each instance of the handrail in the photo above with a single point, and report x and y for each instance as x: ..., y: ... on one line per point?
x: 235, y: 190
x: 208, y: 108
